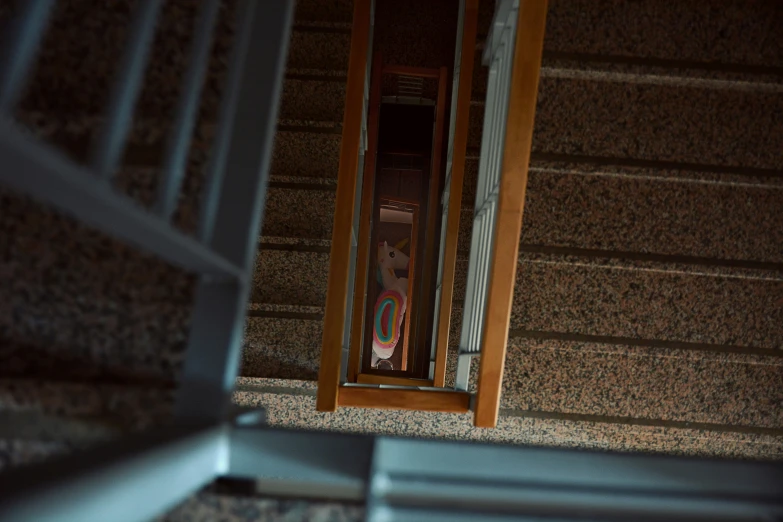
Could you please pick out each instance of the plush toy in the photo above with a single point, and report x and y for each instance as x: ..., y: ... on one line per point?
x: 391, y: 304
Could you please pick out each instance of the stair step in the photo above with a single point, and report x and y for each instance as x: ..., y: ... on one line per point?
x: 207, y: 505
x: 291, y: 274
x: 670, y: 302
x: 19, y: 452
x: 647, y: 211
x: 282, y: 342
x: 335, y: 11
x: 736, y: 32
x: 83, y: 306
x: 653, y: 122
x: 313, y: 98
x: 307, y: 150
x: 299, y: 208
x: 294, y: 407
x: 319, y: 47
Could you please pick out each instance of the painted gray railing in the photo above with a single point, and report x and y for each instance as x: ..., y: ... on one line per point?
x: 498, y: 56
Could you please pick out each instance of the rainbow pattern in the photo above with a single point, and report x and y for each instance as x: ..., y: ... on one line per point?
x: 389, y: 312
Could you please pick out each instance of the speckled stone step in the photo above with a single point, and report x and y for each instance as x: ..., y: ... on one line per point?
x: 299, y: 208
x: 209, y: 505
x: 282, y: 342
x: 316, y: 97
x: 730, y: 31
x: 295, y: 408
x: 83, y: 306
x: 652, y: 382
x: 291, y: 272
x: 654, y: 122
x: 306, y: 150
x: 319, y: 46
x: 91, y: 62
x: 670, y: 212
x: 739, y: 308
x: 339, y: 11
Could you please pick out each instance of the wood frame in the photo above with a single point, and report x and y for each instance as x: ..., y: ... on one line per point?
x: 340, y: 253
x: 461, y: 125
x: 368, y: 199
x: 433, y: 211
x: 365, y: 219
x: 396, y: 399
x: 371, y: 378
x: 526, y: 68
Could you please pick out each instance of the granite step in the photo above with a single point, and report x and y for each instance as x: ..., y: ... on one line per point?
x: 653, y: 122
x: 291, y: 272
x: 291, y: 404
x: 652, y: 383
x: 92, y: 59
x: 303, y: 149
x: 313, y: 95
x: 648, y: 211
x: 81, y: 305
x: 335, y: 11
x: 299, y: 208
x: 282, y: 342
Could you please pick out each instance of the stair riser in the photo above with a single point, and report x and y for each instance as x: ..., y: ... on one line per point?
x: 313, y: 100
x: 637, y: 213
x: 319, y: 50
x: 731, y: 31
x: 305, y: 154
x: 650, y: 302
x: 296, y: 278
x: 282, y: 348
x: 297, y: 213
x: 654, y: 122
x: 298, y: 411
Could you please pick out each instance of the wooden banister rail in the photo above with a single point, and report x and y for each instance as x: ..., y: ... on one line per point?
x: 526, y: 66
x: 340, y: 254
x: 461, y: 125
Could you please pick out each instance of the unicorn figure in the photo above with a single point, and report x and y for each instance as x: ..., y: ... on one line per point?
x: 391, y: 304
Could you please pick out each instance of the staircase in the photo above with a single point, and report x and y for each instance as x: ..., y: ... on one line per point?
x: 647, y: 302
x: 647, y: 311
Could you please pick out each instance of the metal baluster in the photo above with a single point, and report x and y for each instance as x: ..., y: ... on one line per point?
x: 187, y: 110
x: 108, y: 149
x: 23, y: 38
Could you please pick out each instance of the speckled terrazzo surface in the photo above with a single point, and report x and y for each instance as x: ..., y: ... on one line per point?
x: 297, y: 410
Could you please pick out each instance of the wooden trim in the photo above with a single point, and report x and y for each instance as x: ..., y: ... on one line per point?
x: 461, y: 125
x: 369, y: 378
x: 511, y: 202
x: 433, y: 210
x: 365, y: 218
x: 340, y: 255
x: 404, y: 70
x: 391, y: 399
x: 410, y: 309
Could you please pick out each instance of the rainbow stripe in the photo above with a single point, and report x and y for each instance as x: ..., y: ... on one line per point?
x: 389, y: 312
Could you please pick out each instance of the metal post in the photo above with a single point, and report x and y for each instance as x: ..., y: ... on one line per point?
x: 127, y: 481
x: 246, y: 130
x: 192, y: 84
x: 20, y: 46
x: 108, y: 149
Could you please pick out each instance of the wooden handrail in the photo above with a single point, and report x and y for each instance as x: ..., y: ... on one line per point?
x: 511, y: 202
x: 397, y: 399
x: 461, y: 124
x: 365, y: 217
x: 340, y: 254
x: 369, y: 378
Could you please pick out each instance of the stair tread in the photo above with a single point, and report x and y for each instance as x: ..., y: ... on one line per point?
x: 297, y: 410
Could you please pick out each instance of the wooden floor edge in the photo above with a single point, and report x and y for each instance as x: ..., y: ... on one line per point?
x: 392, y: 399
x: 368, y: 378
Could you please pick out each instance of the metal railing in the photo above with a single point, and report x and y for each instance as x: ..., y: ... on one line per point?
x: 498, y: 56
